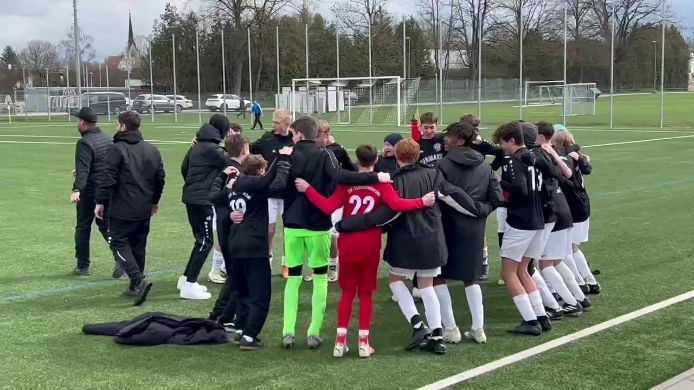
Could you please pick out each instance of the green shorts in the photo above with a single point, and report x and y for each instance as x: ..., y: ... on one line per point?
x: 299, y: 242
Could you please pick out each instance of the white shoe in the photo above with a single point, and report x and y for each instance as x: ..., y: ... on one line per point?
x: 182, y: 280
x: 200, y: 287
x: 501, y: 282
x: 477, y: 335
x: 416, y: 294
x: 394, y: 298
x: 216, y: 278
x: 340, y: 350
x: 452, y: 336
x: 332, y: 273
x: 365, y: 350
x: 191, y: 291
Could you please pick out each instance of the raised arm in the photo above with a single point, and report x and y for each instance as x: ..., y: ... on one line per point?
x: 279, y: 183
x: 396, y: 203
x: 327, y: 205
x: 218, y: 192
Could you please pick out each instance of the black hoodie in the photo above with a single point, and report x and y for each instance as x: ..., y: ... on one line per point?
x: 201, y: 165
x: 521, y: 182
x: 133, y: 178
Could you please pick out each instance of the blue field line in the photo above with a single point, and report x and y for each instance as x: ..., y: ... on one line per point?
x: 74, y: 287
x: 80, y: 286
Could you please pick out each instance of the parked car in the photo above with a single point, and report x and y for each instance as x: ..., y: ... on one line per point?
x: 232, y: 102
x: 182, y: 100
x: 147, y: 103
x: 100, y: 102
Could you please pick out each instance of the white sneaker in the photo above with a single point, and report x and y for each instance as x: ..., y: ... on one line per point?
x: 394, y: 298
x: 477, y: 335
x: 182, y: 280
x: 501, y: 282
x: 340, y: 350
x: 191, y: 291
x: 416, y: 294
x: 332, y: 273
x: 452, y: 336
x: 216, y: 278
x: 200, y: 287
x: 365, y: 350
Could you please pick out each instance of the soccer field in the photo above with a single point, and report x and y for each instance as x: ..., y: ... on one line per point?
x: 641, y: 229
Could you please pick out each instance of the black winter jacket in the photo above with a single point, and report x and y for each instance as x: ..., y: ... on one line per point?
x: 269, y: 144
x: 133, y: 178
x: 201, y: 165
x: 90, y: 154
x: 415, y: 239
x: 465, y: 169
x: 386, y: 164
x: 319, y: 167
x: 221, y: 205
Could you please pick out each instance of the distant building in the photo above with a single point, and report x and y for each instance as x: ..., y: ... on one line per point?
x: 457, y: 59
x: 691, y: 72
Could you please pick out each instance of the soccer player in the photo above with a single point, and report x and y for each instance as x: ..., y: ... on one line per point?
x: 416, y: 243
x: 200, y: 166
x: 554, y: 269
x: 522, y: 240
x: 387, y: 162
x: 267, y: 146
x: 359, y: 251
x: 132, y: 184
x: 579, y: 203
x: 464, y: 167
x: 247, y: 242
x: 236, y: 146
x: 306, y: 229
x: 431, y: 142
x: 217, y: 273
x: 90, y: 153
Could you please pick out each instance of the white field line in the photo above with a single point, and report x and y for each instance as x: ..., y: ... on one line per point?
x: 638, y: 141
x: 528, y: 353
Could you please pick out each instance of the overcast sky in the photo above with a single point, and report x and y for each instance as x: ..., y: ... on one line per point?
x: 107, y: 20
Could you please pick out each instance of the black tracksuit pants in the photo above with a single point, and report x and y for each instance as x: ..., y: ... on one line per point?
x: 83, y: 229
x: 129, y: 245
x: 200, y: 219
x: 254, y: 290
x: 256, y: 121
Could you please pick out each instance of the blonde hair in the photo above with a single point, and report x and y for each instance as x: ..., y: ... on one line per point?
x: 563, y: 139
x: 323, y: 125
x: 282, y: 115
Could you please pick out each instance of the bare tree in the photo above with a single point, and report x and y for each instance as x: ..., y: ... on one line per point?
x: 355, y: 15
x: 467, y: 18
x: 86, y: 45
x: 39, y: 55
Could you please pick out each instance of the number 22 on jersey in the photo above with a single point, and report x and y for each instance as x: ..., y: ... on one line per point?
x: 368, y: 202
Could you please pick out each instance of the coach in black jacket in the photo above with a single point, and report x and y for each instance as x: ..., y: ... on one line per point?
x: 201, y: 165
x: 131, y: 185
x: 90, y: 153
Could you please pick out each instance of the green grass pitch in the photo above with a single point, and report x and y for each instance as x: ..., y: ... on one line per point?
x: 640, y: 240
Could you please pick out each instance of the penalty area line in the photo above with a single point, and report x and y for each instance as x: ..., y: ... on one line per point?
x: 528, y: 353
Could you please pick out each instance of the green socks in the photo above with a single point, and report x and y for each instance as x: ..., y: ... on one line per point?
x: 318, y: 303
x: 291, y: 303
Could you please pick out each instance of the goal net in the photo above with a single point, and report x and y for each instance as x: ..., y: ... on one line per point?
x: 379, y: 100
x: 576, y: 98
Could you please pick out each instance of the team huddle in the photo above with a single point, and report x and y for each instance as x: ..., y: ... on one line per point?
x: 431, y: 194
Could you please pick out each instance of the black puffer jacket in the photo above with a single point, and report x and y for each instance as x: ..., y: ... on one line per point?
x: 415, y: 239
x: 465, y: 169
x: 201, y: 165
x: 90, y: 155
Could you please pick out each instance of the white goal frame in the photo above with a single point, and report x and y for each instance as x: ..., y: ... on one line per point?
x: 527, y: 101
x: 370, y: 81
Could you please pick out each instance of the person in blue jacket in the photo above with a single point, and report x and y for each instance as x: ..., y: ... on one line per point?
x: 257, y: 112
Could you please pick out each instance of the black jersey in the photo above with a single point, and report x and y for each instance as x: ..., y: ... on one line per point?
x: 575, y: 190
x: 269, y: 144
x: 522, y: 185
x: 249, y: 194
x: 431, y: 150
x: 550, y: 182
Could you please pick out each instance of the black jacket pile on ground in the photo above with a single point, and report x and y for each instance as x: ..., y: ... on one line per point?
x: 269, y: 144
x: 90, y: 155
x: 202, y: 165
x: 416, y: 239
x: 157, y: 328
x: 133, y: 178
x: 465, y: 169
x: 319, y: 167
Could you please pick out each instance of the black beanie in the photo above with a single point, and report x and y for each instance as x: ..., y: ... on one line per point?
x: 221, y: 123
x: 393, y: 138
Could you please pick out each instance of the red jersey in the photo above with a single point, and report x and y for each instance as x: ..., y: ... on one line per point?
x: 361, y: 245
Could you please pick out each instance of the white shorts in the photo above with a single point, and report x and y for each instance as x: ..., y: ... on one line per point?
x: 545, y: 235
x: 501, y: 219
x: 410, y: 273
x: 335, y: 218
x: 518, y: 244
x: 275, y: 208
x: 555, y: 249
x: 580, y: 232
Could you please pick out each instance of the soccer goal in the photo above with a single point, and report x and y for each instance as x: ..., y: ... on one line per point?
x: 351, y: 100
x: 580, y: 97
x: 543, y: 93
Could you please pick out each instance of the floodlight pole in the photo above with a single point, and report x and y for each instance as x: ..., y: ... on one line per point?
x: 108, y: 95
x: 371, y: 106
x: 662, y: 70
x: 612, y: 69
x: 173, y: 51
x: 563, y: 110
x: 224, y: 78
x: 250, y: 70
x: 520, y: 56
x: 48, y: 96
x: 67, y: 88
x: 151, y: 83
x: 75, y: 35
x: 479, y: 63
x: 339, y: 93
x: 277, y: 59
x: 197, y: 58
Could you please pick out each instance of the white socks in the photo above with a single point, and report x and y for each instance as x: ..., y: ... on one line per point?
x: 555, y: 279
x: 405, y: 300
x: 536, y: 302
x: 333, y: 261
x: 217, y: 261
x: 569, y: 260
x: 444, y: 296
x: 524, y: 307
x: 432, y: 307
x: 474, y: 301
x: 570, y: 281
x: 546, y: 297
x: 582, y: 265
